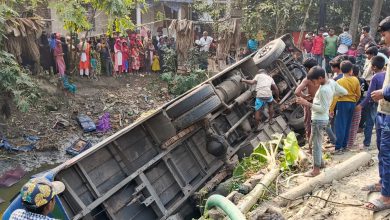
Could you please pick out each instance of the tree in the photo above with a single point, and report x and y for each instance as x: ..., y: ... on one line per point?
x: 76, y: 18
x: 270, y: 16
x: 303, y: 27
x: 353, y: 26
x: 375, y: 14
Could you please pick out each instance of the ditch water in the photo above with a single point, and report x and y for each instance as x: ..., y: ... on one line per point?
x: 8, y: 193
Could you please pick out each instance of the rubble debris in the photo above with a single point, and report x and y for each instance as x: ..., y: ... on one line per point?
x: 78, y: 147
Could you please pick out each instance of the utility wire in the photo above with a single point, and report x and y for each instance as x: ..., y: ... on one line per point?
x: 312, y: 196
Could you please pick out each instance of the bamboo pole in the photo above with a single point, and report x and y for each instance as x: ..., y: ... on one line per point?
x: 246, y: 203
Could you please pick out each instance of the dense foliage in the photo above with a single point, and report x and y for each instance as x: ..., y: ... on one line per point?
x: 14, y: 81
x: 73, y: 13
x: 280, y: 150
x: 180, y: 83
x: 272, y: 18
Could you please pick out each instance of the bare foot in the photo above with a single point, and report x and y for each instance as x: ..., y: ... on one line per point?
x: 312, y: 173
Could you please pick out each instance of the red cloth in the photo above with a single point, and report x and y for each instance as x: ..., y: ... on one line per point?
x: 318, y: 45
x: 125, y: 52
x: 307, y: 45
x: 87, y: 47
x: 352, y: 53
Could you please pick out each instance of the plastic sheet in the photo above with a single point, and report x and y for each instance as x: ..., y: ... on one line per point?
x: 104, y: 124
x: 4, y: 143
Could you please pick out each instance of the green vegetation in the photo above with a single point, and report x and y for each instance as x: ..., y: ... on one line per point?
x: 14, y: 81
x: 280, y: 150
x: 76, y: 18
x: 180, y: 83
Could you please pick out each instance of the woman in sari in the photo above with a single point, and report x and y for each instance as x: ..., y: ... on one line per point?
x: 59, y: 56
x: 118, y: 56
x: 135, y: 59
x: 85, y: 49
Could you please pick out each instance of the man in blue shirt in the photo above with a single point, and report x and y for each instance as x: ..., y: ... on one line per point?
x: 383, y: 130
x: 377, y: 64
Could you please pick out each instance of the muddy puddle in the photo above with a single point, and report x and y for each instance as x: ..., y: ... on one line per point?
x: 34, y: 162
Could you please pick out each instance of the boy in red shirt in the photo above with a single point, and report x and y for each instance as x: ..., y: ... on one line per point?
x: 318, y: 47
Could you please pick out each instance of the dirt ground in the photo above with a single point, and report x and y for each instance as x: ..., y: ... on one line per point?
x: 346, y: 190
x: 124, y: 98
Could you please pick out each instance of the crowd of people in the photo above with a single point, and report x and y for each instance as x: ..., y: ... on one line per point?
x: 346, y: 88
x: 351, y: 92
x: 114, y: 56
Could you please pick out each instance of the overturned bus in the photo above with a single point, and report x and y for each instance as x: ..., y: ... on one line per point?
x: 152, y: 168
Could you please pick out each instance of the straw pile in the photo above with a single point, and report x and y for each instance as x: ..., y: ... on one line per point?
x: 22, y: 39
x: 184, y: 38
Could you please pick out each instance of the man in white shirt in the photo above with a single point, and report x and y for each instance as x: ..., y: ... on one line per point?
x: 205, y: 42
x: 265, y: 85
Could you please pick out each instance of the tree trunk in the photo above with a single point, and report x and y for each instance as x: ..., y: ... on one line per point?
x: 375, y: 14
x: 322, y: 14
x: 303, y: 27
x: 251, y: 198
x: 353, y: 26
x: 327, y: 176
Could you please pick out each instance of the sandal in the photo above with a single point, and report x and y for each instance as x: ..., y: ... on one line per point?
x: 379, y: 205
x: 372, y: 188
x: 338, y: 152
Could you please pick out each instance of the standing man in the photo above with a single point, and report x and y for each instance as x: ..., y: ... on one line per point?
x: 318, y: 47
x: 307, y: 45
x: 205, y: 42
x: 320, y: 112
x: 265, y: 85
x: 365, y: 39
x: 383, y: 131
x: 311, y: 89
x: 330, y: 50
x: 344, y: 41
x: 38, y: 199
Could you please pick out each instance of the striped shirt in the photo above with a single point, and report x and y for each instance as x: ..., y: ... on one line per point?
x: 21, y: 214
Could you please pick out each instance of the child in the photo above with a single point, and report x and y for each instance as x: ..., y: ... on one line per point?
x: 156, y: 63
x: 241, y: 54
x: 352, y: 51
x: 345, y: 106
x: 118, y: 57
x: 370, y: 107
x: 320, y: 112
x: 93, y: 65
x: 125, y: 57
